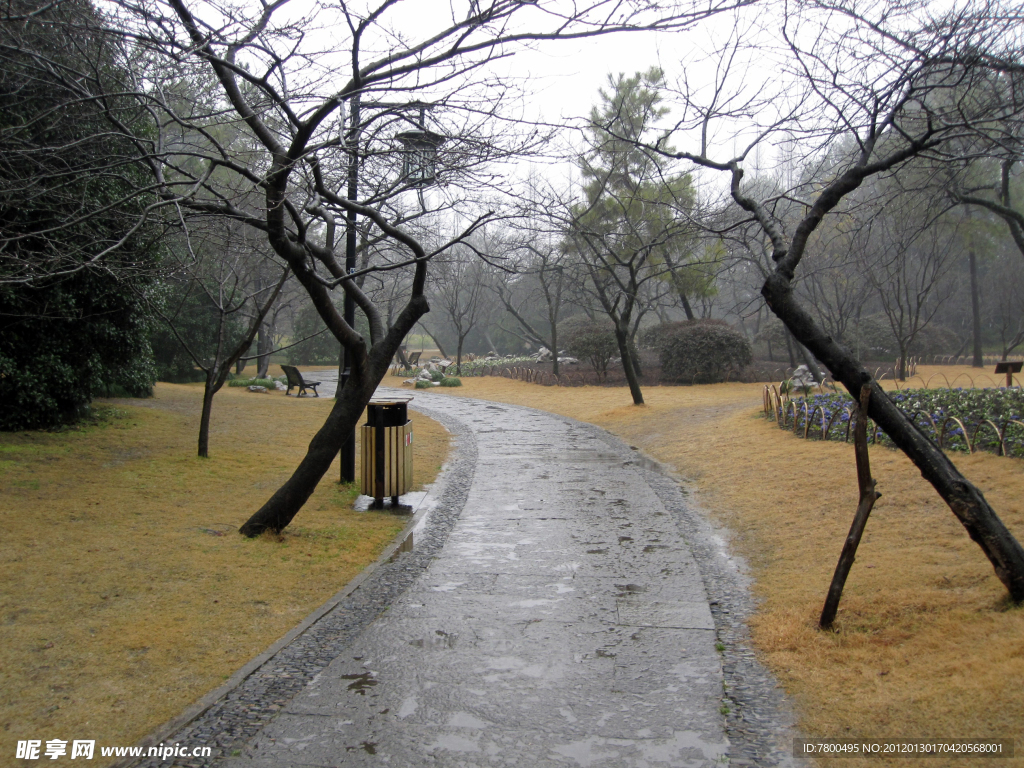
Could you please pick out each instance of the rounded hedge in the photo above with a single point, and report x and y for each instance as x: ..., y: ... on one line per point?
x: 451, y: 381
x: 702, y: 352
x: 655, y: 336
x: 590, y: 340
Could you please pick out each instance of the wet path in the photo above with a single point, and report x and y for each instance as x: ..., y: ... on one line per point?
x: 564, y: 622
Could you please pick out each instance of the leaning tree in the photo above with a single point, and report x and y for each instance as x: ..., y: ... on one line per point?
x: 891, y: 87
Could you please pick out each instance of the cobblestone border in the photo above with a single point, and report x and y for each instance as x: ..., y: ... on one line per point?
x: 236, y: 716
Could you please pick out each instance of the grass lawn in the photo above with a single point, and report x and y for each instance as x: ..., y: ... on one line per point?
x: 927, y: 644
x: 127, y: 593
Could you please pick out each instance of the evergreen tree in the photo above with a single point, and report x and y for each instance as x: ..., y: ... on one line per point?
x: 76, y: 253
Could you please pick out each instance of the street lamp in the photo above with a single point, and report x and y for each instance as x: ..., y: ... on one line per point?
x: 419, y: 158
x: 419, y: 170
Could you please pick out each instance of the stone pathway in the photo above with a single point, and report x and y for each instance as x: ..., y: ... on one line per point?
x: 573, y: 611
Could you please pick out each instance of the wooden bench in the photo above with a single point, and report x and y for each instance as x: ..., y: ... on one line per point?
x: 295, y: 380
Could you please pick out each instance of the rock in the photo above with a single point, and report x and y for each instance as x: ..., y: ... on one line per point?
x: 568, y: 360
x: 409, y: 383
x: 802, y: 377
x: 280, y: 387
x: 543, y: 355
x: 257, y: 388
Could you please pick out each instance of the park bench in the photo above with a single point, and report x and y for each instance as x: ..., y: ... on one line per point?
x: 295, y: 380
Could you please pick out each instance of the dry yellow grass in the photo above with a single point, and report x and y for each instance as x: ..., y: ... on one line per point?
x: 927, y: 645
x: 127, y: 593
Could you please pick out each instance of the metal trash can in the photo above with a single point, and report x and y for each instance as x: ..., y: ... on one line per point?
x: 387, y: 450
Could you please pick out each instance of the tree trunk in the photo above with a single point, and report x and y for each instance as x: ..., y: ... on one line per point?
x: 967, y: 503
x: 789, y: 349
x: 868, y: 497
x: 812, y: 366
x: 458, y: 357
x: 403, y: 359
x: 686, y: 306
x: 286, y: 502
x: 439, y: 347
x: 902, y: 372
x: 239, y: 367
x: 554, y: 349
x: 627, y: 366
x: 209, y: 390
x: 972, y: 259
x: 264, y: 343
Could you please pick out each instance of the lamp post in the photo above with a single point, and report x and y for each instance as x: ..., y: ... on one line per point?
x: 419, y: 169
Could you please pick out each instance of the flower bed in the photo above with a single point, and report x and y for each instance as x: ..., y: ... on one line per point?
x: 957, y: 419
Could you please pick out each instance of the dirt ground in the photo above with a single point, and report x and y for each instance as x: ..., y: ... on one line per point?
x: 127, y: 592
x: 927, y: 644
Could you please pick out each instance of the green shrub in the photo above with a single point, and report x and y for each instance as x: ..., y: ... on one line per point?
x: 451, y: 381
x: 590, y: 340
x: 421, y: 384
x: 64, y: 341
x: 436, y: 375
x: 702, y: 352
x: 655, y: 336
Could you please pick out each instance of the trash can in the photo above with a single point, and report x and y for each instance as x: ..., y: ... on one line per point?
x: 387, y: 450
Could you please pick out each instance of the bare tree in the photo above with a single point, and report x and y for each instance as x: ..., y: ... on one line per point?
x: 892, y: 86
x: 221, y: 271
x: 908, y: 263
x: 540, y: 270
x: 1005, y: 302
x: 461, y: 288
x: 284, y: 95
x: 72, y: 184
x: 1002, y: 197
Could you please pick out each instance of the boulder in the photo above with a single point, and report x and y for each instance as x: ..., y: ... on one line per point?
x: 802, y: 377
x: 257, y: 388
